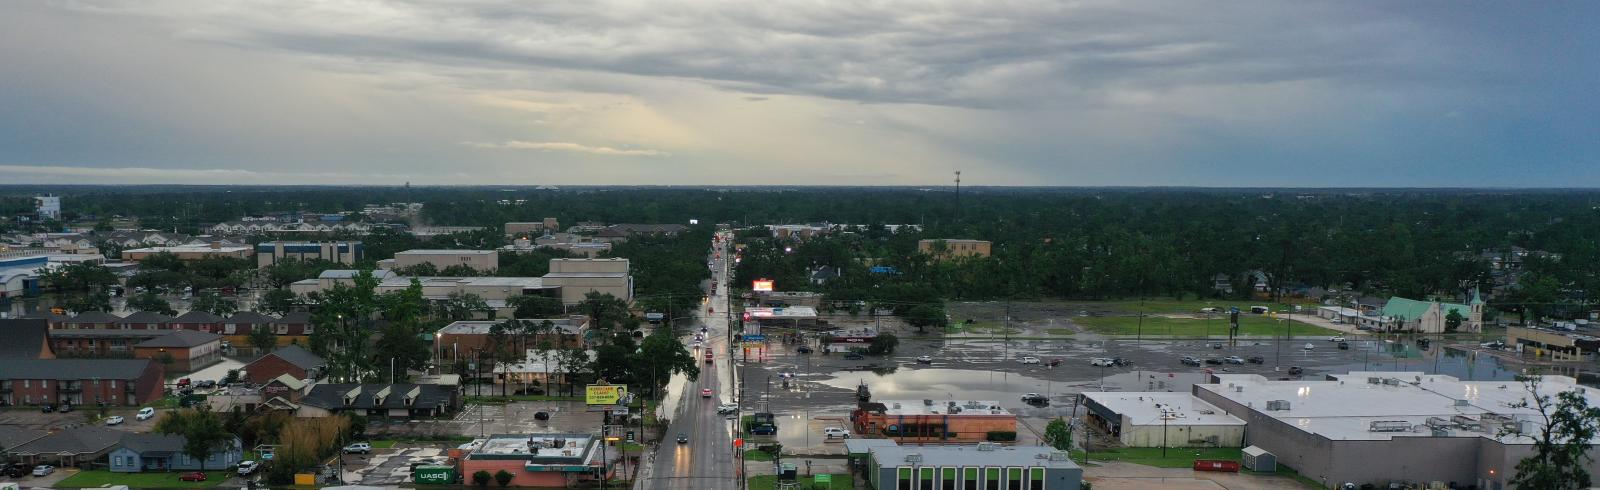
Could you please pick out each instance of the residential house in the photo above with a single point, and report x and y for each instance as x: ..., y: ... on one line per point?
x: 71, y: 448
x: 821, y: 275
x: 941, y: 249
x: 243, y: 323
x: 92, y: 320
x: 379, y: 400
x: 292, y: 360
x: 164, y: 452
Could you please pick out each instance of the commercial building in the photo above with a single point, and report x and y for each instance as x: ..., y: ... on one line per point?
x: 479, y: 260
x: 19, y: 276
x: 48, y: 207
x: 295, y: 361
x: 538, y: 460
x: 537, y: 369
x: 532, y: 229
x: 947, y: 248
x: 1554, y: 345
x: 573, y: 244
x: 468, y: 336
x: 890, y: 466
x: 1390, y: 427
x: 943, y: 421
x: 79, y: 381
x: 268, y: 253
x: 403, y: 400
x: 1161, y: 419
x: 191, y: 252
x: 578, y: 277
x: 789, y: 316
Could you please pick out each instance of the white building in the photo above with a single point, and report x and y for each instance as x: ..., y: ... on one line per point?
x: 49, y: 207
x: 1162, y: 419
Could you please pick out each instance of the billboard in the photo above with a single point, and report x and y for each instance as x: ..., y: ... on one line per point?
x: 761, y: 285
x: 604, y: 394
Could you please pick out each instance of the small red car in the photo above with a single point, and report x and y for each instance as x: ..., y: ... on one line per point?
x: 193, y: 476
x: 705, y: 393
x: 708, y: 356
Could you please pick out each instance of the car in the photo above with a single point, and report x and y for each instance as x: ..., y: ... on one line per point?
x: 1035, y: 399
x: 705, y: 393
x: 853, y: 356
x: 1233, y: 360
x: 43, y: 470
x: 1344, y: 346
x: 1422, y: 343
x: 65, y: 407
x: 209, y: 383
x: 1121, y: 362
x: 182, y: 382
x: 832, y: 432
x: 683, y: 438
x: 1257, y: 360
x: 1190, y: 361
x: 709, y: 357
x: 1493, y: 345
x: 1309, y: 346
x: 145, y: 413
x: 1029, y: 360
x: 1102, y: 362
x: 924, y: 359
x: 114, y: 420
x: 803, y: 350
x: 764, y: 430
x: 47, y: 408
x: 193, y: 476
x: 360, y: 447
x: 16, y: 470
x: 727, y: 408
x: 247, y: 467
x: 1216, y: 345
x: 1296, y: 371
x: 1336, y: 338
x: 1213, y: 361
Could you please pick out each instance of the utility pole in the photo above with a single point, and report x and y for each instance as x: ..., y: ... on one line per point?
x: 958, y: 195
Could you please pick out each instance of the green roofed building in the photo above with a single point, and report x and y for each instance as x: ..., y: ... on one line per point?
x: 1432, y: 316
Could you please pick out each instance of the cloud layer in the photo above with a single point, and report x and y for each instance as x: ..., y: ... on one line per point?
x: 1017, y: 92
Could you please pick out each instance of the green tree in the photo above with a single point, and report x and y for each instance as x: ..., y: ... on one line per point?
x: 152, y: 302
x: 263, y: 340
x: 503, y: 477
x: 535, y: 306
x: 90, y: 301
x: 215, y: 304
x: 607, y: 313
x: 403, y: 339
x: 204, y: 431
x: 81, y: 276
x: 463, y: 306
x: 1452, y: 321
x: 343, y: 319
x: 927, y: 315
x: 1058, y: 434
x: 883, y: 344
x: 277, y: 301
x: 660, y: 356
x: 1566, y: 424
x: 573, y: 363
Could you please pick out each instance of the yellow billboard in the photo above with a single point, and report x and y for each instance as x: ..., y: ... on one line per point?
x: 604, y: 394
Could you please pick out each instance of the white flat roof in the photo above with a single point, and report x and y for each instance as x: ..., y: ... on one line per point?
x: 1156, y: 407
x: 1346, y: 407
x: 198, y: 247
x: 783, y: 313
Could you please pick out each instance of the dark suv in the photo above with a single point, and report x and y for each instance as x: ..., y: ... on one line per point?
x: 16, y: 470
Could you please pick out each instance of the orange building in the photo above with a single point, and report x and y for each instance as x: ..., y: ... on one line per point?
x: 933, y: 420
x: 953, y: 247
x: 539, y: 460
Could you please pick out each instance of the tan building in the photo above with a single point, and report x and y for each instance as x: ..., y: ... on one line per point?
x: 483, y: 260
x: 953, y: 247
x: 191, y: 252
x: 531, y: 229
x: 268, y: 253
x: 578, y: 277
x: 1551, y: 344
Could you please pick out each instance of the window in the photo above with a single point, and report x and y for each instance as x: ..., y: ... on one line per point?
x: 25, y: 383
x: 991, y: 478
x: 1036, y: 479
x: 282, y: 329
x: 969, y: 479
x: 307, y: 329
x: 949, y: 477
x: 1013, y: 478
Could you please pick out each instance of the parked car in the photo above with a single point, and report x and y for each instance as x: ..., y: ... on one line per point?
x: 1101, y: 362
x: 65, y: 407
x: 47, y: 408
x: 832, y: 432
x: 1035, y: 399
x: 114, y: 420
x: 193, y: 476
x: 924, y: 359
x: 43, y: 470
x: 1213, y: 361
x: 1344, y: 346
x: 1422, y: 343
x: 16, y: 470
x: 1233, y: 360
x: 1310, y: 346
x: 1121, y: 362
x: 683, y: 438
x: 1216, y: 345
x: 853, y: 356
x: 803, y: 350
x: 1030, y: 360
x: 1257, y: 360
x: 145, y: 413
x: 705, y: 393
x: 764, y: 430
x: 182, y: 382
x: 727, y: 408
x: 1336, y: 338
x: 1190, y: 361
x: 360, y: 447
x: 248, y: 467
x: 1296, y: 371
x: 206, y: 383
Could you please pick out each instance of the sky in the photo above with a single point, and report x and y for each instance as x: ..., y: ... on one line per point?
x: 818, y: 92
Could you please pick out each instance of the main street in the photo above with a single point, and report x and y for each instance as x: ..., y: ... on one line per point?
x: 707, y: 460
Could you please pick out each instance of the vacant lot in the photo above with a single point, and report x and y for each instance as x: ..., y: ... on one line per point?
x: 1253, y: 325
x: 99, y: 478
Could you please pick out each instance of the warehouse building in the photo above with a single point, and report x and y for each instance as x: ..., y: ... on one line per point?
x: 480, y: 260
x: 191, y: 252
x: 1390, y: 427
x: 1162, y: 419
x: 968, y: 466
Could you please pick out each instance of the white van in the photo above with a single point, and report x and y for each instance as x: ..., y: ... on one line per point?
x: 145, y: 413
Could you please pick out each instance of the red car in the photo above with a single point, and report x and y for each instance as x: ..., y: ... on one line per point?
x: 708, y: 356
x: 705, y: 393
x: 193, y: 476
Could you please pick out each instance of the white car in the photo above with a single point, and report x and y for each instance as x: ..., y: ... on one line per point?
x: 1309, y: 346
x: 1233, y: 360
x: 114, y: 420
x: 839, y: 432
x: 145, y: 413
x: 727, y: 408
x: 1336, y: 338
x: 43, y: 470
x: 360, y: 447
x: 1102, y: 362
x: 1030, y: 360
x: 924, y: 359
x: 248, y: 467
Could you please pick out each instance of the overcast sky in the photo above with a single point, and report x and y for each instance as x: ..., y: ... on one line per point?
x: 1117, y: 92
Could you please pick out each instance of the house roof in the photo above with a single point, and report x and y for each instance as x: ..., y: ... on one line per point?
x: 332, y: 396
x: 25, y: 338
x: 94, y: 317
x: 73, y: 369
x: 16, y: 435
x: 298, y: 356
x: 181, y: 338
x: 153, y: 444
x: 47, y: 315
x: 82, y: 440
x: 106, y: 333
x: 197, y: 316
x: 250, y: 318
x: 295, y: 317
x: 145, y: 317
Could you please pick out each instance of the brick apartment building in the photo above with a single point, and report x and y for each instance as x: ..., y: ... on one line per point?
x: 293, y: 360
x: 127, y: 382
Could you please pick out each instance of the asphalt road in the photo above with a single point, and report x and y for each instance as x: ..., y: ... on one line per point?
x: 707, y: 460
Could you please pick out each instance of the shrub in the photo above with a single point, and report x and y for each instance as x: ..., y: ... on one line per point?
x: 503, y: 477
x: 1002, y: 436
x: 481, y: 478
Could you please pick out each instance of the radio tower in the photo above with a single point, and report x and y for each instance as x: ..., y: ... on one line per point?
x: 958, y: 195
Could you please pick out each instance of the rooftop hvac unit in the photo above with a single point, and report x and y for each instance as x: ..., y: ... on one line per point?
x: 987, y: 446
x: 1277, y: 405
x: 1238, y: 389
x: 927, y: 402
x: 1441, y: 432
x: 1437, y: 422
x: 913, y: 458
x: 1374, y: 380
x: 1462, y: 402
x: 1391, y: 381
x: 1059, y: 456
x: 1389, y: 426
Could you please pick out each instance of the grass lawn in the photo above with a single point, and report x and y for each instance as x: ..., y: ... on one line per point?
x: 841, y: 481
x: 1169, y: 305
x: 757, y: 455
x: 1059, y: 331
x: 382, y: 444
x: 1151, y: 456
x: 97, y: 478
x: 1255, y: 325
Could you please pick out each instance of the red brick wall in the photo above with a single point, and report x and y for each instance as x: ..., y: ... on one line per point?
x: 147, y: 387
x: 180, y: 356
x: 520, y: 477
x: 271, y: 366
